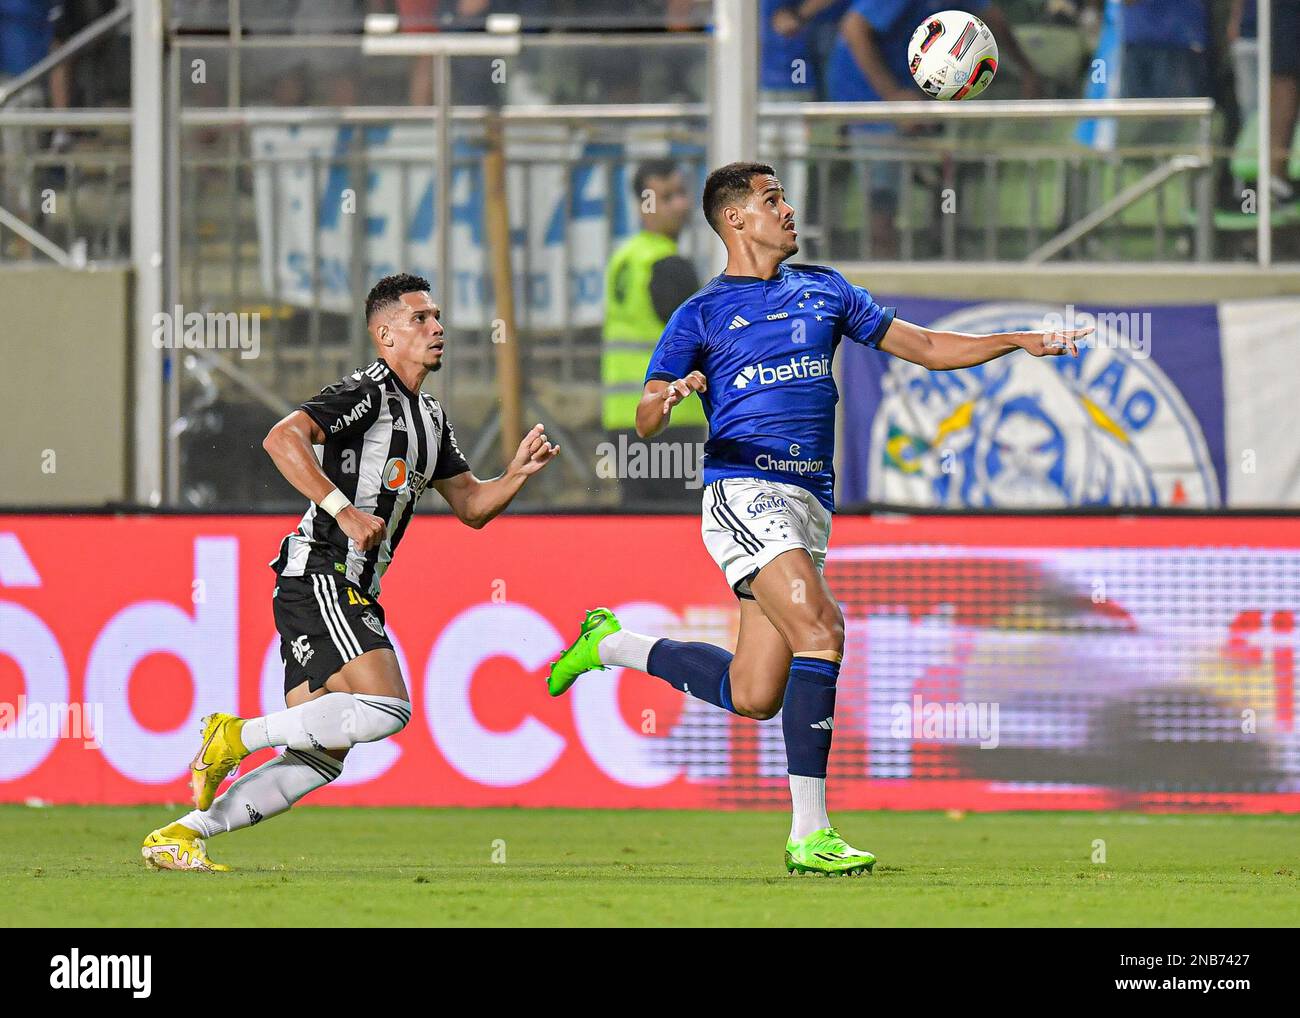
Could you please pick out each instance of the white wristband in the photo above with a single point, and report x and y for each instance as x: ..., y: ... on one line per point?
x: 335, y: 502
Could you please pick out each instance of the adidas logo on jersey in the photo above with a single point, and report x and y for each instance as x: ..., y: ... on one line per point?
x: 737, y: 323
x: 399, y: 423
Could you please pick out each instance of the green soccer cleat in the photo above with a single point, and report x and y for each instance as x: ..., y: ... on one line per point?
x: 581, y: 655
x: 826, y: 852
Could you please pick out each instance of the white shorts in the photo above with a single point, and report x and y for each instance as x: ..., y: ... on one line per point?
x: 749, y: 521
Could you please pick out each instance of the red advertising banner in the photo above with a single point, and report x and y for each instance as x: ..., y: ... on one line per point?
x: 991, y: 663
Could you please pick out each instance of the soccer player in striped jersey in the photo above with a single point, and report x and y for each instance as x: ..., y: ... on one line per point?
x: 755, y: 345
x: 362, y: 452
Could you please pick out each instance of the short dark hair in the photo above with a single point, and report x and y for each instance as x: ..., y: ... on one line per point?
x: 728, y: 184
x: 649, y: 170
x: 389, y: 291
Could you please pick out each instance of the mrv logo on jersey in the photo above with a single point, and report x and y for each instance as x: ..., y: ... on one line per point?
x: 75, y: 971
x: 352, y: 416
x: 795, y: 369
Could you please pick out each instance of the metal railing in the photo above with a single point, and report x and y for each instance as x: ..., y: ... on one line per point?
x: 219, y: 242
x: 945, y: 158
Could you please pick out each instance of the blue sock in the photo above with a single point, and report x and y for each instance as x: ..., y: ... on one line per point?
x: 699, y: 669
x: 806, y: 716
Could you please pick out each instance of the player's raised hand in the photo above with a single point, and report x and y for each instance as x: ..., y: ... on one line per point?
x: 1055, y: 343
x: 683, y: 387
x: 363, y: 529
x: 534, y: 452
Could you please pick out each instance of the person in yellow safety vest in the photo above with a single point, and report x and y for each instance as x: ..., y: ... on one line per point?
x: 645, y: 282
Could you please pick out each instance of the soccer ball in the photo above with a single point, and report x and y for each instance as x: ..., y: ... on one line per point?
x: 952, y: 55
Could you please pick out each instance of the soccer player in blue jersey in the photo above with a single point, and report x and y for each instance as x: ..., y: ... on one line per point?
x: 755, y: 346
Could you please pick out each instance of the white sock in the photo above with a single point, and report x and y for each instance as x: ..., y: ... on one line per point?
x: 333, y: 721
x: 626, y: 650
x: 808, y: 796
x: 265, y: 791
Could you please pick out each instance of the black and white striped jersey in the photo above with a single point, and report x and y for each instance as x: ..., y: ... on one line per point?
x: 383, y: 445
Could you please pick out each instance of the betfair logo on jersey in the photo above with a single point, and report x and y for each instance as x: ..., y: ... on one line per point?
x: 795, y: 369
x: 352, y: 416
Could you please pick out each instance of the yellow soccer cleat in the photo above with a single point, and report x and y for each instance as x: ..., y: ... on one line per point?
x: 176, y: 847
x: 219, y: 754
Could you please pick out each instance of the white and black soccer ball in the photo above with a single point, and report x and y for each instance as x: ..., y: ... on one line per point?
x: 952, y: 55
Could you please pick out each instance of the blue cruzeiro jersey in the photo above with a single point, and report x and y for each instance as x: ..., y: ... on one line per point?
x: 765, y: 347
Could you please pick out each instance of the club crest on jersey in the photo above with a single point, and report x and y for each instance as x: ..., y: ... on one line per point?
x: 767, y: 503
x: 372, y: 623
x: 1107, y: 428
x: 435, y: 416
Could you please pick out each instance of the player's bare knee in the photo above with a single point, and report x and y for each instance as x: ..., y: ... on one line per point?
x: 823, y: 631
x: 758, y: 708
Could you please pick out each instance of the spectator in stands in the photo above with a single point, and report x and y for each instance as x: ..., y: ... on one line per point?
x: 787, y: 69
x: 1165, y: 46
x: 1147, y: 49
x: 97, y: 76
x: 433, y: 15
x: 472, y: 76
x: 1243, y: 42
x: 1284, y: 103
x: 798, y: 30
x: 623, y: 73
x: 646, y: 281
x: 869, y: 63
x: 26, y: 34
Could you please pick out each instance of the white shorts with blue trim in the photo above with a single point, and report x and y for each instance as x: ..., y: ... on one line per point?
x: 749, y: 521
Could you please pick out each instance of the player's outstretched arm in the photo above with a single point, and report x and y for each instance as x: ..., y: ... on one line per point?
x: 660, y: 397
x: 289, y: 444
x: 945, y: 351
x: 477, y: 502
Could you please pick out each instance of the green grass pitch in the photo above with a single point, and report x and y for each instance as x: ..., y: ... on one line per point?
x: 331, y: 867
